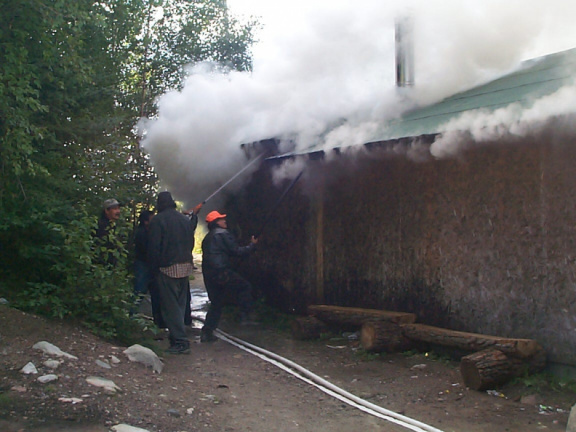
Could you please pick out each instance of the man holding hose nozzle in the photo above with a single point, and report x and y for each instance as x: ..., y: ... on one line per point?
x: 170, y: 243
x: 219, y: 277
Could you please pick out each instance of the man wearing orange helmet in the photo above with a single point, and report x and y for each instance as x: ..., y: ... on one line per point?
x: 219, y: 277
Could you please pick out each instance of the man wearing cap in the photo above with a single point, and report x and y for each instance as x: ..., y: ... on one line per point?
x: 219, y: 277
x: 170, y: 243
x: 106, y: 231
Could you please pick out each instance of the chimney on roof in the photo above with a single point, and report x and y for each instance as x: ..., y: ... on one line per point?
x: 404, y: 52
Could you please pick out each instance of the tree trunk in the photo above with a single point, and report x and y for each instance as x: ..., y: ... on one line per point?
x: 471, y: 342
x: 357, y: 316
x: 382, y: 336
x: 306, y: 328
x: 485, y: 369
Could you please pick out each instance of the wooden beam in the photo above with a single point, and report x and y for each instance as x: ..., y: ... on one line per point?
x: 520, y: 348
x: 338, y: 315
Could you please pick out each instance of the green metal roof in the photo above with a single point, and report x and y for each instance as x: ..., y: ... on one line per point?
x: 534, y: 79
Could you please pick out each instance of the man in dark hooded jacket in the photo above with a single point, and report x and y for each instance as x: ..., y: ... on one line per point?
x: 219, y: 277
x: 170, y: 243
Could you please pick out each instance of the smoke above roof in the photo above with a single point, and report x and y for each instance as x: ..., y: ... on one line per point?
x: 328, y: 79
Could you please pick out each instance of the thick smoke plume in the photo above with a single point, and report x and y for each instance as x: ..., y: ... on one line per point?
x: 327, y: 79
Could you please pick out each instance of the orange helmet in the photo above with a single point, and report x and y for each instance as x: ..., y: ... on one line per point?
x: 213, y: 215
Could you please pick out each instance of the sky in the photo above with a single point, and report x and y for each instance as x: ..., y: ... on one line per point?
x: 324, y: 76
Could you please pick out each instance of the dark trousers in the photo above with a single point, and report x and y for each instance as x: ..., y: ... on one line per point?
x: 157, y: 312
x: 221, y: 285
x: 155, y: 301
x: 173, y: 300
x: 188, y: 310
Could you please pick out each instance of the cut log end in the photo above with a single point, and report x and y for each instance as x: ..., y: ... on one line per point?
x: 485, y: 369
x: 382, y: 336
x: 307, y: 328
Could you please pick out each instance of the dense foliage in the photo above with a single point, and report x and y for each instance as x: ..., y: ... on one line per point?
x: 75, y: 77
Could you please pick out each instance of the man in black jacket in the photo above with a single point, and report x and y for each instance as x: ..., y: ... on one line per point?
x: 219, y: 277
x: 170, y: 243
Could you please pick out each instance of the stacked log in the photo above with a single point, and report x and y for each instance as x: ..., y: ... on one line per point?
x: 306, y: 328
x: 382, y: 336
x: 490, y: 368
x: 355, y: 317
x: 488, y: 361
x: 520, y: 348
x: 485, y: 369
x: 492, y: 360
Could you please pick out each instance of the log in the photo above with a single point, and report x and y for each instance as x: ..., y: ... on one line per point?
x: 338, y: 315
x: 486, y: 369
x: 382, y: 336
x: 471, y: 342
x: 307, y: 328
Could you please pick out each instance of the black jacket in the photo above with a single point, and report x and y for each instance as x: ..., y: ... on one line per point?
x: 217, y: 248
x: 107, y: 244
x: 141, y: 243
x: 171, y: 238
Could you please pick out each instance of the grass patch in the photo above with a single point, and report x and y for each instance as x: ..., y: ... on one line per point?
x: 364, y: 355
x: 546, y: 381
x: 5, y: 400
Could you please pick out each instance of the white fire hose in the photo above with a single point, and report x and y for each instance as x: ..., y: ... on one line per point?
x: 327, y: 387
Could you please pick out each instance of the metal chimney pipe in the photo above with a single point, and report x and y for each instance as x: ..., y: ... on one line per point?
x: 404, y: 52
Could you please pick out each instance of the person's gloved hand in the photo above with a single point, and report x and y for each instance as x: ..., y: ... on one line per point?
x: 197, y: 209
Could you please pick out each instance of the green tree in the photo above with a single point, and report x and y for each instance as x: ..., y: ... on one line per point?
x: 75, y: 77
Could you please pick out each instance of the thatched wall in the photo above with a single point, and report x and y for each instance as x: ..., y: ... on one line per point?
x: 483, y: 242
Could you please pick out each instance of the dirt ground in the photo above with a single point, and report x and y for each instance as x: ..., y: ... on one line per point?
x: 219, y: 387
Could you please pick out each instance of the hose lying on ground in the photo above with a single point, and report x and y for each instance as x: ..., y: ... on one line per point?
x: 325, y: 386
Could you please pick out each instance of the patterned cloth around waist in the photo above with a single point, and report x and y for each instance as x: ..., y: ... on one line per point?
x: 178, y: 270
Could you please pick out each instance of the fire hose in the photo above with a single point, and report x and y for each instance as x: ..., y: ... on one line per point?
x: 233, y: 177
x: 325, y: 386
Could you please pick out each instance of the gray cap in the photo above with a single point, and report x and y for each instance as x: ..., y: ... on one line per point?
x: 110, y: 203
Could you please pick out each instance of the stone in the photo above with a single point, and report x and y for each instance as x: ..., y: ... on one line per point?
x: 530, y: 399
x: 103, y: 364
x: 73, y: 401
x: 106, y: 384
x: 29, y: 369
x: 50, y: 349
x: 127, y: 428
x: 47, y: 378
x: 19, y: 389
x: 52, y: 364
x: 571, y: 426
x: 140, y: 354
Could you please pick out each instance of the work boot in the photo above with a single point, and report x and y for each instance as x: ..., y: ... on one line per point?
x: 179, y: 348
x: 207, y: 335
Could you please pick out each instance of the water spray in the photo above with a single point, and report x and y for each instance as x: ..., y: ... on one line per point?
x: 232, y: 178
x: 196, y: 209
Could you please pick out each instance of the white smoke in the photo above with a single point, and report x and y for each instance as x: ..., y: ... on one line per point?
x: 326, y: 79
x: 514, y: 119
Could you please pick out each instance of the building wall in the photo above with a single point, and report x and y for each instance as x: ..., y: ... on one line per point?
x: 482, y: 242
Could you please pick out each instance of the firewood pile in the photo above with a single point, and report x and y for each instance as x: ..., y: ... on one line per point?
x: 488, y: 361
